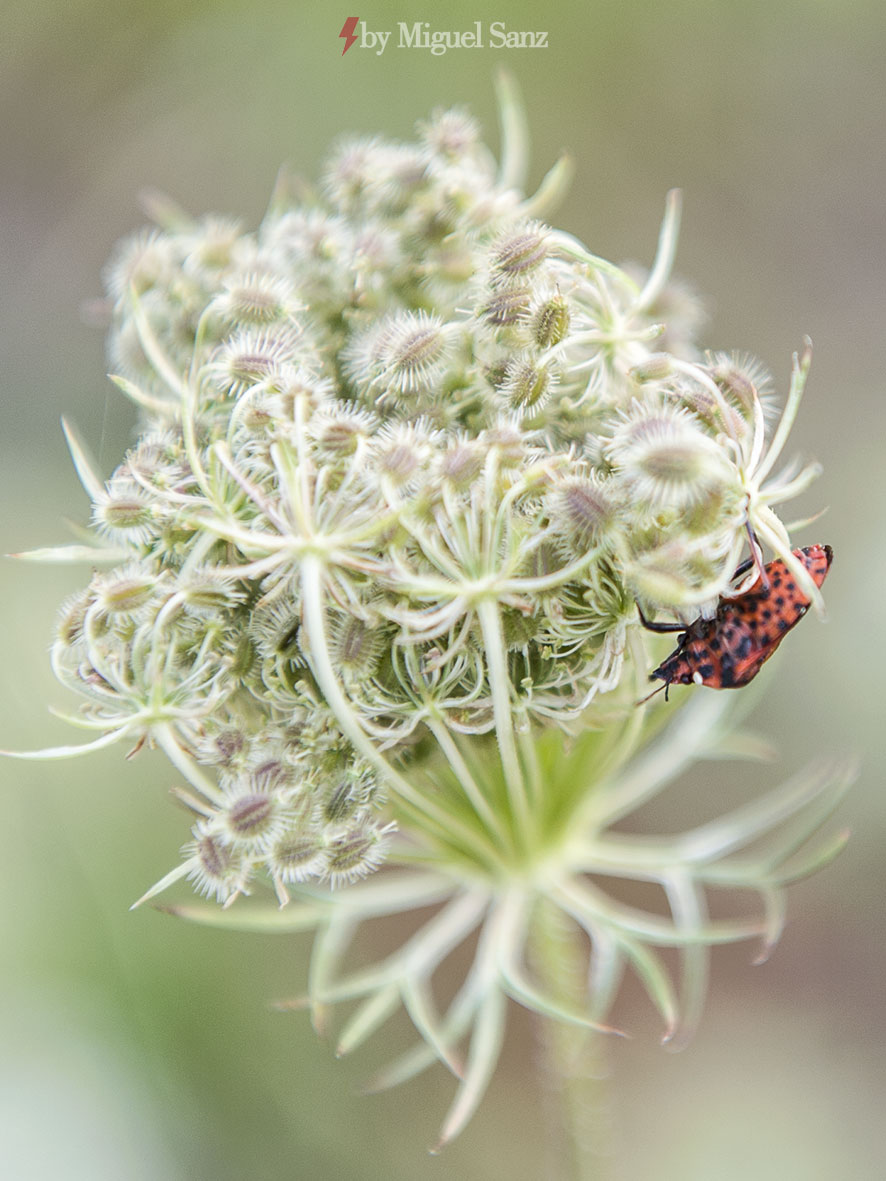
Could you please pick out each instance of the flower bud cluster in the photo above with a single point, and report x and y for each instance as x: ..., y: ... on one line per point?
x: 150, y: 648
x: 408, y: 458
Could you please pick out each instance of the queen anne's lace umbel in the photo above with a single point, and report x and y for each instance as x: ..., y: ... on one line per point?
x: 409, y: 458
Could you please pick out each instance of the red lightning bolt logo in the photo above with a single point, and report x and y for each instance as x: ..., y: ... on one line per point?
x: 347, y: 31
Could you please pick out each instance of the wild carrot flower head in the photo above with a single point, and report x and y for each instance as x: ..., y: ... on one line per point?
x: 408, y: 459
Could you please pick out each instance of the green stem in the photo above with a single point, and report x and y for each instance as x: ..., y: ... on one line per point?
x: 499, y: 685
x: 462, y: 772
x: 574, y: 1070
x: 324, y: 672
x: 165, y: 738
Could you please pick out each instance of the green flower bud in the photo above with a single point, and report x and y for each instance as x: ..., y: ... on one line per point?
x: 549, y: 322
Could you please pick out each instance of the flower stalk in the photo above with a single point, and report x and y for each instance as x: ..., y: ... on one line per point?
x: 574, y: 1071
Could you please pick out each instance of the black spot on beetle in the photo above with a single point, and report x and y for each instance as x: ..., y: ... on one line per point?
x: 727, y: 674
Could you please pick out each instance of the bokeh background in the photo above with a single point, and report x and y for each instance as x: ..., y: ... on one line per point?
x: 135, y: 1046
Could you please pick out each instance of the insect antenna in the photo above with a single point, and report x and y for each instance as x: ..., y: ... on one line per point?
x: 665, y: 686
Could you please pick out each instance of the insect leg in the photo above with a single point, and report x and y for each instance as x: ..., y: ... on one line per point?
x: 663, y: 628
x: 743, y: 568
x: 756, y: 558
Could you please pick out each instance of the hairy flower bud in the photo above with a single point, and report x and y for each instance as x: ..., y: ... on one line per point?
x: 255, y: 297
x: 404, y: 354
x: 583, y: 513
x: 655, y: 367
x: 71, y: 617
x: 526, y: 386
x: 744, y: 381
x: 516, y: 254
x: 124, y: 513
x: 253, y: 355
x: 209, y: 592
x: 140, y: 263
x: 355, y: 854
x: 217, y: 869
x: 665, y: 461
x: 461, y: 463
x: 298, y: 857
x: 357, y: 645
x: 450, y: 134
x: 338, y: 431
x: 506, y: 309
x: 251, y: 818
x: 125, y: 592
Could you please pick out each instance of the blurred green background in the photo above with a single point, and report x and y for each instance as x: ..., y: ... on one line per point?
x: 135, y: 1046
